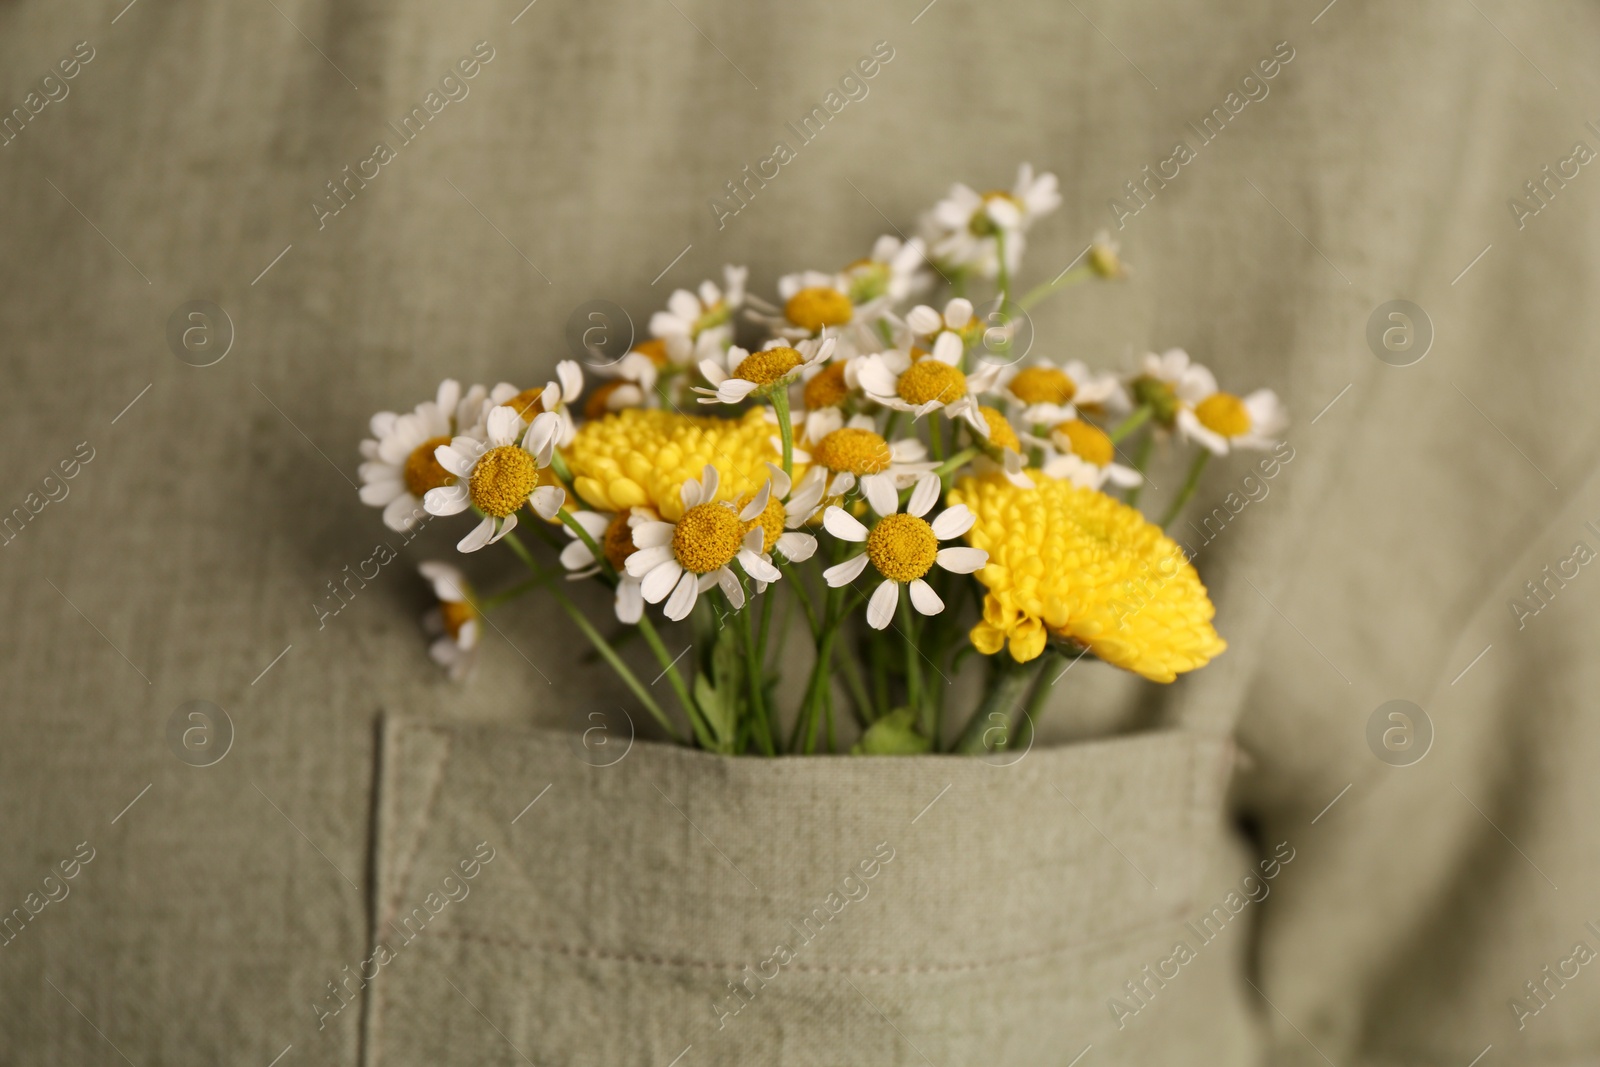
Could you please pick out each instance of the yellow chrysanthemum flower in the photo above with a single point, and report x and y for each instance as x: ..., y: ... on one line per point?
x: 641, y: 458
x: 1076, y: 563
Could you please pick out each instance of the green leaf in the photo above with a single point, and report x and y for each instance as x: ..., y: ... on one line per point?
x: 893, y: 735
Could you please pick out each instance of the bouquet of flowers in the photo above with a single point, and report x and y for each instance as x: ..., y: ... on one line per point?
x: 900, y: 475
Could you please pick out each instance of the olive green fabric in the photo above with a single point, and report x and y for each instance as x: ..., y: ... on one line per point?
x: 189, y: 557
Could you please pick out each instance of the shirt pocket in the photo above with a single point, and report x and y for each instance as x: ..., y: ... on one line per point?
x: 544, y: 898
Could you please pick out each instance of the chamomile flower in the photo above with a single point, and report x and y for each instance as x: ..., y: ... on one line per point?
x: 1004, y: 448
x: 928, y: 384
x: 1044, y: 394
x: 1084, y: 455
x: 1167, y: 382
x: 677, y: 561
x: 452, y: 622
x: 903, y: 547
x: 399, y: 467
x: 895, y: 270
x: 699, y: 325
x: 614, y: 536
x: 1105, y: 256
x: 946, y: 332
x: 962, y: 227
x: 740, y: 373
x: 1219, y: 421
x: 616, y: 395
x: 844, y: 454
x: 498, y: 475
x: 552, y: 396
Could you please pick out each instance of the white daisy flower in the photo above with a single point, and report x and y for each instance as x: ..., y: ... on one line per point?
x: 677, y: 561
x: 815, y: 303
x: 1004, y: 451
x: 552, y: 396
x: 1084, y: 454
x: 614, y: 535
x: 844, y: 454
x: 1105, y: 256
x: 961, y: 228
x: 399, y: 466
x: 497, y: 475
x: 903, y: 548
x: 946, y: 332
x: 453, y: 622
x: 698, y: 325
x: 1218, y: 421
x: 894, y: 271
x: 740, y: 373
x: 894, y: 380
x: 1166, y: 381
x: 1045, y: 393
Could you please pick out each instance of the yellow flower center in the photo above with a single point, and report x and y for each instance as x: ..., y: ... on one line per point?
x: 1043, y: 385
x: 422, y: 471
x: 929, y: 380
x: 502, y: 480
x: 902, y: 547
x: 1001, y: 435
x: 1087, y: 441
x: 455, y: 614
x: 1223, y: 413
x: 827, y: 388
x: 813, y: 308
x: 769, y: 365
x: 655, y: 350
x: 526, y: 404
x: 770, y: 520
x: 617, y: 544
x: 853, y: 450
x: 707, y: 537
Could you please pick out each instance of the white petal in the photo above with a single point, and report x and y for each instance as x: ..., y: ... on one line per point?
x: 505, y: 526
x: 683, y: 597
x: 758, y: 568
x: 796, y: 547
x: 503, y: 426
x: 446, y: 500
x: 708, y: 483
x: 478, y: 537
x: 403, y: 513
x: 947, y: 348
x: 642, y: 562
x: 652, y: 534
x: 925, y: 495
x: 571, y: 376
x: 630, y: 602
x: 781, y: 482
x: 735, y: 389
x: 377, y: 494
x: 547, y: 500
x: 880, y: 493
x: 846, y: 572
x: 958, y: 312
x: 880, y: 609
x: 454, y: 461
x: 662, y: 580
x: 924, y: 599
x: 541, y: 437
x: 729, y: 583
x: 576, y: 556
x: 843, y: 525
x: 953, y: 522
x: 962, y: 560
x: 924, y: 320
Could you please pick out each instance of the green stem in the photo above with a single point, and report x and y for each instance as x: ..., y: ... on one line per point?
x: 1190, y: 484
x: 913, y: 668
x: 1140, y: 416
x: 1039, y: 292
x: 957, y: 461
x: 489, y: 603
x: 1042, y: 684
x: 668, y: 664
x: 576, y: 527
x: 597, y: 639
x: 1008, y: 682
x: 780, y: 406
x: 1004, y: 280
x: 559, y: 464
x: 752, y: 668
x: 1140, y: 459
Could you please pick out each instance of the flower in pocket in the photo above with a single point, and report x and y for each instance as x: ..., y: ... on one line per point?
x: 452, y: 622
x: 498, y: 475
x: 677, y: 561
x: 903, y: 547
